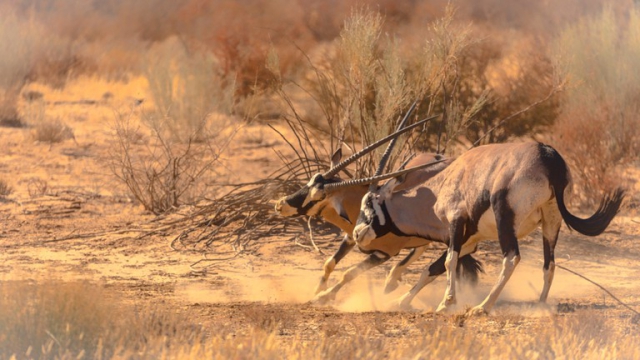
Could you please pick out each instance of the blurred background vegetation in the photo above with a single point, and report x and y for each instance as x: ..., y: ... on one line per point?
x: 344, y: 70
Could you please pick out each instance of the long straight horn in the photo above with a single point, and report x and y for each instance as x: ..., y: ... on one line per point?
x: 392, y: 144
x: 334, y: 170
x: 379, y: 178
x: 387, y: 152
x: 404, y: 163
x: 328, y: 188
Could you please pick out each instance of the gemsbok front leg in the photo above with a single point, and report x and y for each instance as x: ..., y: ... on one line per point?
x: 395, y: 275
x: 456, y: 237
x: 346, y: 246
x: 505, y: 222
x: 374, y: 259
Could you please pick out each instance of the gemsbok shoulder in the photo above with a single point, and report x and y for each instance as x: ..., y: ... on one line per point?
x: 499, y: 191
x: 337, y: 201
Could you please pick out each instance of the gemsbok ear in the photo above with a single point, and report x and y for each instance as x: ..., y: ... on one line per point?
x: 341, y: 211
x: 386, y: 189
x: 336, y: 157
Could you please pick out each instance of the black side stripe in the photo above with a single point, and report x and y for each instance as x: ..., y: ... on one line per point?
x: 390, y: 227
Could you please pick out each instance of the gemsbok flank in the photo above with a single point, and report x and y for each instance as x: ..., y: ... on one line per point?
x: 337, y: 201
x: 500, y: 191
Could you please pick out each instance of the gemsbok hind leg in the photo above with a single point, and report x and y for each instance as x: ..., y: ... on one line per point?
x: 395, y: 275
x: 505, y: 222
x: 551, y: 222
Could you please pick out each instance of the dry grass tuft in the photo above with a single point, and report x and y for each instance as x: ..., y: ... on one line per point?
x: 5, y: 188
x: 37, y: 187
x: 68, y: 320
x: 51, y: 131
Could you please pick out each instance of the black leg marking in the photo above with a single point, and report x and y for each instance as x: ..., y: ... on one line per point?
x: 456, y: 233
x: 505, y: 220
x: 408, y: 257
x: 437, y: 267
x: 345, y: 247
x: 548, y: 252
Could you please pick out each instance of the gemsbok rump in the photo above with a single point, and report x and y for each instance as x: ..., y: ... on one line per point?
x: 499, y: 191
x: 337, y: 201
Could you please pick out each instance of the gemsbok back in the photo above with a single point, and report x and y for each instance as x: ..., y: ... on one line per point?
x: 337, y: 201
x: 499, y: 191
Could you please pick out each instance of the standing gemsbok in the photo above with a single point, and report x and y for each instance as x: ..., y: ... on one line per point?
x: 500, y: 191
x: 338, y: 202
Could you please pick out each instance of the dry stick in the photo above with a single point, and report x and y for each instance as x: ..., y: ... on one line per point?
x: 311, y: 237
x: 192, y: 266
x: 600, y: 286
x: 291, y: 146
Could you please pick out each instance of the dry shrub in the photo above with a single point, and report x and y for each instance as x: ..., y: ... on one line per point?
x: 239, y: 33
x: 162, y: 172
x: 36, y: 54
x: 51, y: 131
x: 598, y: 132
x: 37, y: 187
x: 42, y: 127
x: 515, y: 72
x: 5, y: 189
x: 186, y: 89
x: 359, y: 86
x: 359, y: 91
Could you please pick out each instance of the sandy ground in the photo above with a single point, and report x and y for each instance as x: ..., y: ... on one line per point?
x: 83, y: 197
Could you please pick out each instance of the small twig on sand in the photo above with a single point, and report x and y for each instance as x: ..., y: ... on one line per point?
x: 297, y: 243
x: 204, y: 268
x: 601, y: 287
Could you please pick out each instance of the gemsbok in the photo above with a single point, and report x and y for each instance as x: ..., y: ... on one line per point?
x: 499, y: 191
x: 337, y: 201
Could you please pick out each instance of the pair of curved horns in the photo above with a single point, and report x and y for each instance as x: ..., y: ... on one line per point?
x: 343, y: 164
x: 328, y: 188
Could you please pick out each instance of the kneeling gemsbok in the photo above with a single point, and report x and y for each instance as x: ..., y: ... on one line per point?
x: 499, y: 191
x: 338, y: 202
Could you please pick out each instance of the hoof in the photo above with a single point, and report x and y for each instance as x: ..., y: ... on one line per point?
x: 442, y: 309
x: 476, y: 311
x: 445, y: 306
x: 400, y: 305
x: 321, y: 288
x: 390, y: 287
x: 323, y: 298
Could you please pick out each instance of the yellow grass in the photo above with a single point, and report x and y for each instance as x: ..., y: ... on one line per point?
x: 69, y: 320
